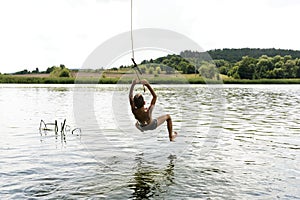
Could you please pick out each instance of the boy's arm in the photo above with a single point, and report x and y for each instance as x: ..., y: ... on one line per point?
x: 154, y: 97
x: 131, y: 93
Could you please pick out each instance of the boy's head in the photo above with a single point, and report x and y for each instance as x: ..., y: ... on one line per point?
x: 138, y: 101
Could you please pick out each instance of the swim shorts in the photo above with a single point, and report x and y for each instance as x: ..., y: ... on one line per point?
x: 151, y: 126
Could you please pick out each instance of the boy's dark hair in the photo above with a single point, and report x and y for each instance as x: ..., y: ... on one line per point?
x: 138, y: 101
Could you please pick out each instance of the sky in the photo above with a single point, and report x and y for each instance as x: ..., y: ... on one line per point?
x: 43, y: 33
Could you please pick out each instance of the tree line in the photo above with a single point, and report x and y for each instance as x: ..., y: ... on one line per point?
x: 262, y: 67
x: 237, y: 63
x: 235, y: 55
x: 243, y: 63
x: 54, y: 71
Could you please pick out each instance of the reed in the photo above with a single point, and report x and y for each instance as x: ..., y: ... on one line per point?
x: 127, y: 80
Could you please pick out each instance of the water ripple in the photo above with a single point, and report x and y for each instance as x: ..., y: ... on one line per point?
x: 252, y: 152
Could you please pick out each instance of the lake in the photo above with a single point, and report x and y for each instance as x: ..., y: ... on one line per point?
x: 234, y: 142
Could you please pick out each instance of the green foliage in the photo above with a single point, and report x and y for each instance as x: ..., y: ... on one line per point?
x: 36, y: 71
x: 143, y: 69
x: 261, y: 68
x: 50, y: 69
x: 190, y: 69
x: 39, y: 80
x: 246, y: 67
x: 278, y: 73
x: 262, y: 81
x: 173, y: 62
x: 236, y: 63
x: 235, y: 55
x: 61, y: 71
x: 244, y: 63
x: 64, y: 73
x: 25, y: 71
x: 208, y: 71
x: 151, y: 70
x: 233, y: 72
x: 223, y: 66
x: 158, y: 70
x: 169, y: 70
x: 223, y: 70
x: 279, y: 64
x: 287, y: 57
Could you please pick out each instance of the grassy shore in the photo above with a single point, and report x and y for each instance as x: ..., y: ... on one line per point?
x: 262, y: 81
x: 175, y: 79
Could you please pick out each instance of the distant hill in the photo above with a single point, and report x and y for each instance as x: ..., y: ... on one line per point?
x: 235, y: 55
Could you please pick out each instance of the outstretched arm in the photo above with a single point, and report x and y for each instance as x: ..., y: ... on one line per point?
x: 131, y: 93
x: 154, y: 97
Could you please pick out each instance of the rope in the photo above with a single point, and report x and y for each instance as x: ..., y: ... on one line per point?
x: 135, y: 66
x: 131, y: 35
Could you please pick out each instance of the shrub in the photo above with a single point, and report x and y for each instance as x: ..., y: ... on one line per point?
x: 64, y: 73
x: 151, y: 70
x: 60, y: 72
x: 158, y: 70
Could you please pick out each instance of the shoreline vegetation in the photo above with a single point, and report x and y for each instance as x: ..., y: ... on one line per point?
x: 182, y: 79
x: 225, y: 66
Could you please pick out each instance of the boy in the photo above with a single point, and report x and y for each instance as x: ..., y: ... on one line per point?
x: 144, y: 115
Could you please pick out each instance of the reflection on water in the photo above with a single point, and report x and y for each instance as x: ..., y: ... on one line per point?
x: 254, y: 156
x: 148, y: 182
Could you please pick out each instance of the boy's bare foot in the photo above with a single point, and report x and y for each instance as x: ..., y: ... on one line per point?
x: 174, y: 135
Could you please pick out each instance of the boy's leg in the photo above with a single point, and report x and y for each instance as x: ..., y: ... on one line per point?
x: 161, y: 120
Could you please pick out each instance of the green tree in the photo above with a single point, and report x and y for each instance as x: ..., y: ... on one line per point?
x: 286, y: 58
x: 289, y: 68
x: 36, y: 71
x: 297, y: 62
x: 276, y: 59
x: 223, y: 70
x: 278, y: 73
x: 151, y: 70
x: 236, y: 76
x: 279, y: 64
x: 50, y: 69
x: 208, y: 71
x: 25, y: 71
x: 190, y: 69
x: 143, y: 69
x: 270, y: 74
x: 169, y: 70
x: 246, y: 68
x: 65, y: 73
x: 182, y: 66
x: 220, y: 63
x: 223, y: 66
x: 60, y: 72
x: 297, y: 72
x: 158, y: 70
x: 233, y: 72
x: 166, y: 62
x: 144, y: 62
x: 263, y: 66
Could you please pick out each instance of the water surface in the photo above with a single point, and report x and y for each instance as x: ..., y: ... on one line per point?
x: 235, y: 142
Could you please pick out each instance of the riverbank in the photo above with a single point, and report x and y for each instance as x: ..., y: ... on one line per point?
x: 179, y: 79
